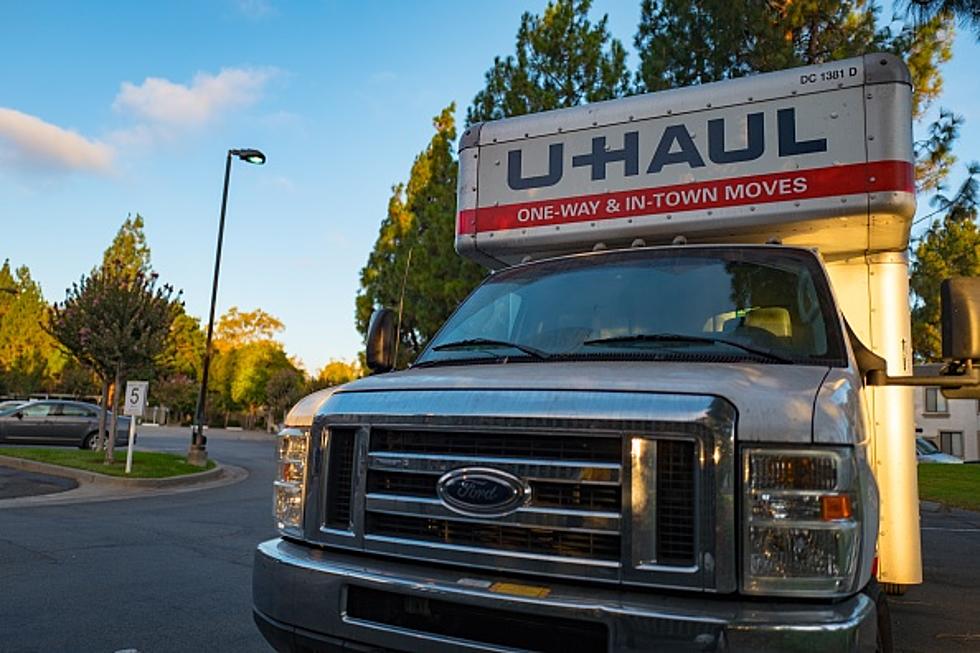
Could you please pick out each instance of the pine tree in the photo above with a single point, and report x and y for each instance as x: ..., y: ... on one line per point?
x: 414, y: 264
x: 128, y: 249
x: 562, y: 59
x: 950, y: 248
x: 689, y: 42
x: 29, y: 356
x: 966, y: 12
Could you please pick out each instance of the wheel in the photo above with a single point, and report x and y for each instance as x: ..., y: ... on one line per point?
x: 91, y: 441
x: 884, y: 643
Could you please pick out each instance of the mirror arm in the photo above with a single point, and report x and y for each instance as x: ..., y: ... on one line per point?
x: 970, y: 377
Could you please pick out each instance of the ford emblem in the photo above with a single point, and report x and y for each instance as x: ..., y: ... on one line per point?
x: 482, y: 491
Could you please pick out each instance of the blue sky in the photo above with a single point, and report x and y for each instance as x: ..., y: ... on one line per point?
x: 115, y: 108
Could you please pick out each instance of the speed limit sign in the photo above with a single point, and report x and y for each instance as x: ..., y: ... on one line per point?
x: 135, y: 400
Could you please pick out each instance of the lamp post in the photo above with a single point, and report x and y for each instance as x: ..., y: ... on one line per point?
x: 198, y: 453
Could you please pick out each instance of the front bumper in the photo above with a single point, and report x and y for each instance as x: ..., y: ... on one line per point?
x: 300, y: 596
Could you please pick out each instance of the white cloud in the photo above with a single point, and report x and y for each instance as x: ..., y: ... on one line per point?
x: 162, y: 101
x: 28, y: 140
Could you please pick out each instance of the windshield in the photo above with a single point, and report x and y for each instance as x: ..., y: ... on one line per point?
x: 925, y: 447
x: 712, y: 303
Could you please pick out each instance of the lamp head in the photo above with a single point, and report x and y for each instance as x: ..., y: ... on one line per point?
x: 249, y: 156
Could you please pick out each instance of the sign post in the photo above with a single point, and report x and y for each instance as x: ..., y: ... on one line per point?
x: 133, y: 406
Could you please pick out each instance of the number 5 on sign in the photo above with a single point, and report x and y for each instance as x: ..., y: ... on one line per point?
x: 135, y: 398
x: 134, y: 404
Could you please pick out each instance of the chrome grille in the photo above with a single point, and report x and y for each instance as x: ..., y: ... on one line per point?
x: 498, y: 445
x: 340, y: 474
x: 616, y: 494
x: 575, y: 496
x: 541, y: 541
x: 676, y: 506
x: 574, y: 510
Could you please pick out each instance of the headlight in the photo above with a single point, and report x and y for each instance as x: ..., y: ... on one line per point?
x: 290, y: 484
x: 801, y: 521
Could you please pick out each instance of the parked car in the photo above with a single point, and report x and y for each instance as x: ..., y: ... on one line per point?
x: 11, y: 403
x: 53, y: 421
x: 927, y: 452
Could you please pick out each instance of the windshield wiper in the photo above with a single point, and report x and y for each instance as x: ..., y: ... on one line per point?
x: 483, y: 343
x: 678, y: 337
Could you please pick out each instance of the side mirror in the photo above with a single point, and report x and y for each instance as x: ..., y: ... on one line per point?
x: 19, y: 414
x: 961, y: 318
x: 959, y: 378
x: 380, y: 346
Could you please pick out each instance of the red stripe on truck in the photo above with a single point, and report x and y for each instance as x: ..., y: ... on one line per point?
x: 852, y: 179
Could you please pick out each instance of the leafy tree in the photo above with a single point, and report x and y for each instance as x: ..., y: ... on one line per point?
x: 8, y: 288
x: 257, y: 362
x: 115, y: 323
x: 562, y: 59
x: 414, y: 264
x: 127, y: 256
x: 29, y: 356
x: 76, y: 379
x: 282, y: 390
x: 184, y: 349
x: 178, y: 392
x: 236, y: 329
x: 128, y: 250
x: 222, y: 375
x: 951, y: 247
x: 335, y: 373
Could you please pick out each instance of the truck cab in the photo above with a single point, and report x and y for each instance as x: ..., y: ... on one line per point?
x: 670, y: 419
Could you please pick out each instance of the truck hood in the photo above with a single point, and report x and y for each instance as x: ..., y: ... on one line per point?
x: 775, y: 403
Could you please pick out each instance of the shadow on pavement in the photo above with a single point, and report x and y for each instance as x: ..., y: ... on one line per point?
x: 18, y: 483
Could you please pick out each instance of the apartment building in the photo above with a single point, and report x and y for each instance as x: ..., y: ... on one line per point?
x: 952, y: 424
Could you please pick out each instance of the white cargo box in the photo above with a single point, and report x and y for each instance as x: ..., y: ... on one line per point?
x: 818, y: 156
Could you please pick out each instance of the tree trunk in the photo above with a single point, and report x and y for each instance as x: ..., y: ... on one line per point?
x: 104, y: 404
x: 111, y: 440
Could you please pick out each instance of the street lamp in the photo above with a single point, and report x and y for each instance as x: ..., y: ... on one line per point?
x: 198, y: 453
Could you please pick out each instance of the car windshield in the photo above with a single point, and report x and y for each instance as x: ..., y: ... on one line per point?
x: 697, y: 303
x: 925, y: 447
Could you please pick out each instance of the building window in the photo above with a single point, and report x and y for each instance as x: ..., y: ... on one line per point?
x: 951, y: 442
x: 935, y: 401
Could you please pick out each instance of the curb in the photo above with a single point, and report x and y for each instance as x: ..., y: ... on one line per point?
x: 95, y: 478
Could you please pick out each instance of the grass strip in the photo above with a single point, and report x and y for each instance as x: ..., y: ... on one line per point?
x: 146, y: 464
x: 953, y: 485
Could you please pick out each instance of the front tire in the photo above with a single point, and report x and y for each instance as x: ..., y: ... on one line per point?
x: 91, y: 441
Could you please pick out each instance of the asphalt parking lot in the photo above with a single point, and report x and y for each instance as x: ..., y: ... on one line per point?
x: 18, y: 483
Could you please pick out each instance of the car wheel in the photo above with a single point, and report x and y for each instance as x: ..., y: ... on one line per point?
x: 91, y: 441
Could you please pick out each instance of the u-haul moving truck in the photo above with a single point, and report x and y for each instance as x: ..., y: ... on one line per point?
x: 671, y: 419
